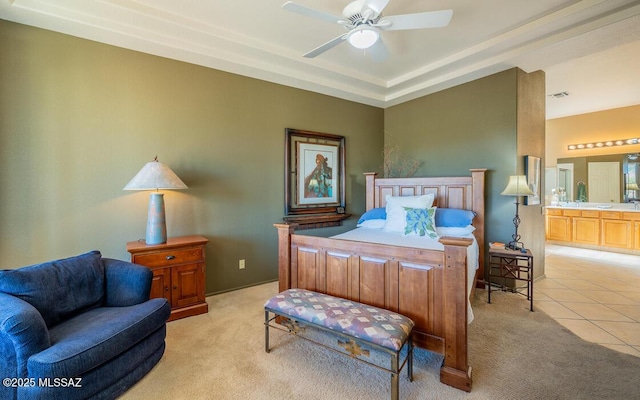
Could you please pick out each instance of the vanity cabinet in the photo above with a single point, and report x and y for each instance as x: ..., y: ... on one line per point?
x: 558, y: 226
x: 603, y: 230
x: 586, y: 227
x: 616, y: 232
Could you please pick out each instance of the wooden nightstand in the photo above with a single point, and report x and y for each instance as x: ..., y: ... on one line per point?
x: 178, y: 272
x: 511, y: 264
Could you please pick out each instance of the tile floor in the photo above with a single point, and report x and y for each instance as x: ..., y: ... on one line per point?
x: 594, y: 294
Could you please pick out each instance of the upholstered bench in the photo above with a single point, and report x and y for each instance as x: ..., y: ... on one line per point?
x: 360, y: 325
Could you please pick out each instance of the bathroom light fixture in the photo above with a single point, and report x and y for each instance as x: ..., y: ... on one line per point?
x: 608, y: 143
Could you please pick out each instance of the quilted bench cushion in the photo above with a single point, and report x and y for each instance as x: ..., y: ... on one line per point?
x: 368, y: 323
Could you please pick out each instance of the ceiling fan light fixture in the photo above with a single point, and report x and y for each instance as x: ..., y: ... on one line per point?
x: 363, y: 37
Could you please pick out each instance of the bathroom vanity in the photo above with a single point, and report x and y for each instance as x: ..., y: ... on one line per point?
x: 608, y: 227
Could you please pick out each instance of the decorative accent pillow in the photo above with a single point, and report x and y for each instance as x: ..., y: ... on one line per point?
x: 374, y: 213
x: 421, y: 221
x: 455, y: 231
x: 396, y: 214
x: 454, y: 217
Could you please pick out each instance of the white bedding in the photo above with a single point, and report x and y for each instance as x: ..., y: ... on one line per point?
x: 398, y: 239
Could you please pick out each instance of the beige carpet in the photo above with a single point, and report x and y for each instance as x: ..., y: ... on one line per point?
x: 515, y: 354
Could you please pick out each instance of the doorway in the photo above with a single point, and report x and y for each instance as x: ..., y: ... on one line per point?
x: 604, y: 182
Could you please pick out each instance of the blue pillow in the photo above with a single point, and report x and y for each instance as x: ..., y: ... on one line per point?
x: 454, y: 217
x: 374, y: 213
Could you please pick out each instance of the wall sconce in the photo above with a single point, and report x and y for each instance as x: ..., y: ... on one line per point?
x: 608, y: 143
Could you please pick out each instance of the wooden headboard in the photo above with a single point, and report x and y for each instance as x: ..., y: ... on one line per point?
x: 465, y: 192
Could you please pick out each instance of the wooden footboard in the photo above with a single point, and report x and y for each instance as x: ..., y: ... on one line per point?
x: 428, y: 286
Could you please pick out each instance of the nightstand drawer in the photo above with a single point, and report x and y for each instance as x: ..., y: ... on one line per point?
x: 178, y: 272
x: 169, y: 257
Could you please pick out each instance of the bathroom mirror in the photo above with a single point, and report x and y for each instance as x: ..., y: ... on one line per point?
x: 600, y: 179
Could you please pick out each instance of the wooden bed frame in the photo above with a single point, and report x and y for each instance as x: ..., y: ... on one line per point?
x: 428, y: 286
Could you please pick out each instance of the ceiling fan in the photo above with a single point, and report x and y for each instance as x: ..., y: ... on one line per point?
x: 364, y: 21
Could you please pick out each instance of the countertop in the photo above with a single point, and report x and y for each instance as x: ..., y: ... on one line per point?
x: 626, y: 207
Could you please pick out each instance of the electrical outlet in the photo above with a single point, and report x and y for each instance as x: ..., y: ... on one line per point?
x: 241, y: 264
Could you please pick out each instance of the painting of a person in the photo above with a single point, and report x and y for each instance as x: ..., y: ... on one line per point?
x: 318, y: 182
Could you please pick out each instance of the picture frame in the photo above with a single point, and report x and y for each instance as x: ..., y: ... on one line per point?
x: 532, y: 166
x: 314, y: 173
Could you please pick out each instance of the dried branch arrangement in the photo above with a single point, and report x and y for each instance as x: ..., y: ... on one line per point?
x: 395, y: 165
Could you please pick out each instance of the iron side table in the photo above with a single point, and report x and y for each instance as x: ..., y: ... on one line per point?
x: 512, y: 264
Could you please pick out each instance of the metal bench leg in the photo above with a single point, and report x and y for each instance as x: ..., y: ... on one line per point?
x: 394, y: 377
x: 410, y: 361
x: 266, y: 331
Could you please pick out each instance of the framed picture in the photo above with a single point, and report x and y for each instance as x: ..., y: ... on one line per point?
x: 532, y: 171
x: 314, y: 173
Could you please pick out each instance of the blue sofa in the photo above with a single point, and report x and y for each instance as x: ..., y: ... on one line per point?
x: 78, y: 328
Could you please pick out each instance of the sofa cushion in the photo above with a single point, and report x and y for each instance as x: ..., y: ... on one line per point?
x: 58, y: 289
x: 96, y: 336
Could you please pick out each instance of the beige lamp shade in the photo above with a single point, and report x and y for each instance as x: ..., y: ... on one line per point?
x: 153, y: 176
x: 517, y: 186
x: 632, y: 186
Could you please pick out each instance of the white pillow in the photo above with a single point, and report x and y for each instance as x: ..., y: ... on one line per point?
x: 397, y: 216
x: 455, y: 231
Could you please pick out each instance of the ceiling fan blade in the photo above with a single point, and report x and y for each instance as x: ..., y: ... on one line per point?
x: 379, y: 51
x: 375, y: 5
x: 431, y: 19
x: 311, y: 12
x: 324, y: 47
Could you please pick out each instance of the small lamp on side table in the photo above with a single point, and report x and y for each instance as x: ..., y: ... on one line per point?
x: 517, y: 187
x: 154, y: 176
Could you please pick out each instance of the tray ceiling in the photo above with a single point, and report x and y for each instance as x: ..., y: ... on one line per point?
x: 589, y: 49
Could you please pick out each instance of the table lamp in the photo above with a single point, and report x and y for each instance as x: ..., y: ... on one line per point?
x: 517, y: 186
x: 154, y: 176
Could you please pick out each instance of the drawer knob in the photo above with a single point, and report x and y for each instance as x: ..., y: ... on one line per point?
x: 175, y: 287
x: 166, y: 288
x: 170, y: 257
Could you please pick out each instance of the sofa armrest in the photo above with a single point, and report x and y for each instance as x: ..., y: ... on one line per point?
x: 126, y: 284
x: 23, y: 333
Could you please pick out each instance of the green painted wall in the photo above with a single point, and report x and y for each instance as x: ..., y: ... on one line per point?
x: 487, y: 123
x: 78, y: 119
x: 469, y: 126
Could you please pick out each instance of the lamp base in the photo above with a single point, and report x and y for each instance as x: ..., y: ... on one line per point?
x: 156, y: 223
x: 517, y: 246
x: 515, y: 243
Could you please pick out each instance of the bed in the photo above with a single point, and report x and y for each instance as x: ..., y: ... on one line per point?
x: 429, y: 285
